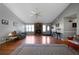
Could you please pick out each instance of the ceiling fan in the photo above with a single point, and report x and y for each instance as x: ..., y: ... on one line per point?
x: 35, y: 13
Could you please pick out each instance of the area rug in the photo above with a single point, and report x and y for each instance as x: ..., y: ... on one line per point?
x: 38, y: 49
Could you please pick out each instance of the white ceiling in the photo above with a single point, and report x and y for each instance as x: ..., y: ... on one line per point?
x: 48, y: 11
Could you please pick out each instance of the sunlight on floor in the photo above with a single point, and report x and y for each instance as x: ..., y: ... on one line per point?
x: 37, y: 40
x: 43, y: 40
x: 30, y: 40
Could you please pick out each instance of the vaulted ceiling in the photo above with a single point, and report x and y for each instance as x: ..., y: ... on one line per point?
x: 37, y: 12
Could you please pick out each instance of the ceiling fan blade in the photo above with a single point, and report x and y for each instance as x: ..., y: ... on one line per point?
x: 33, y: 12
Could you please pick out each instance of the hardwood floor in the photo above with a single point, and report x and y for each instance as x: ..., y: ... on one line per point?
x: 42, y: 40
x: 8, y: 47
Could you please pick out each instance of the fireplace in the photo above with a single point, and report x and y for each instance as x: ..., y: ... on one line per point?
x: 38, y: 28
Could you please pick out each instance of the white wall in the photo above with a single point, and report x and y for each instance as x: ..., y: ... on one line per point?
x: 68, y: 29
x: 59, y: 21
x: 71, y: 10
x: 6, y: 14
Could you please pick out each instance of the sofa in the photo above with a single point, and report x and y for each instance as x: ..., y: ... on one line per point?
x: 14, y: 35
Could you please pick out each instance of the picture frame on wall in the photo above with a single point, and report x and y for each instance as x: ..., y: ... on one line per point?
x: 5, y: 22
x: 57, y: 25
x: 74, y: 25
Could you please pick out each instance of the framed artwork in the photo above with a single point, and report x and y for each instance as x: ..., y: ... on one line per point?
x: 3, y: 21
x: 74, y: 25
x: 57, y: 25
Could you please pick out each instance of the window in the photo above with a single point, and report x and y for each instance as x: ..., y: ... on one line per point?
x: 48, y: 28
x: 32, y: 28
x: 44, y: 28
x: 29, y: 28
